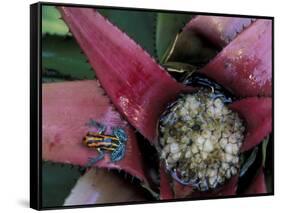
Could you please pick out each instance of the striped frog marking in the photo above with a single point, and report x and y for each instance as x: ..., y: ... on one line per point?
x: 114, y: 144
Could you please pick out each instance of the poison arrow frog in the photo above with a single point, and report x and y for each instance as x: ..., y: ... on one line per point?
x: 115, y: 144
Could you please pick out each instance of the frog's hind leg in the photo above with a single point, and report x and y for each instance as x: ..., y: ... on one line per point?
x: 120, y: 134
x: 118, y: 153
x: 94, y: 160
x: 122, y: 137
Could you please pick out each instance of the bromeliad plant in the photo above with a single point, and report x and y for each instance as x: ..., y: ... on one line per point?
x: 190, y: 129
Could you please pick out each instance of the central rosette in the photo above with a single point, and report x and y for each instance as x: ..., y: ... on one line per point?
x: 200, y: 140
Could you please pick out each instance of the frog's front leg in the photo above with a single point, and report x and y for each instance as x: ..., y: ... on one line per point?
x: 120, y: 134
x: 100, y: 127
x: 94, y: 160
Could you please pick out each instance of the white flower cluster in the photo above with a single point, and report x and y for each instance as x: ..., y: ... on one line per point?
x: 201, y: 139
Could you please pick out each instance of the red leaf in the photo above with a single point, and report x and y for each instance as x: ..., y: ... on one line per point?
x: 258, y: 185
x: 230, y: 187
x: 217, y: 29
x: 257, y: 113
x: 165, y: 187
x: 244, y: 65
x: 67, y: 107
x: 182, y: 191
x: 138, y: 87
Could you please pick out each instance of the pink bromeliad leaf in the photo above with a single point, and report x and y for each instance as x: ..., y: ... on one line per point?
x: 135, y: 83
x: 230, y: 187
x: 182, y: 191
x: 217, y: 29
x: 67, y: 108
x: 165, y: 187
x: 257, y: 113
x: 244, y: 66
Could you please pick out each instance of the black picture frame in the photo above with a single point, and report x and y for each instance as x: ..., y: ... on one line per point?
x: 36, y: 103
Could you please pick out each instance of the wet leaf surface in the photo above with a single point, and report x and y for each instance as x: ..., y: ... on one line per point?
x: 257, y: 114
x: 244, y: 66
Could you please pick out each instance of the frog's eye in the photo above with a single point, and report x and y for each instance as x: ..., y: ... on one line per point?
x: 84, y: 141
x: 90, y: 134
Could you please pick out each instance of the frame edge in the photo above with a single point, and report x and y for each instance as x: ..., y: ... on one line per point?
x: 35, y: 156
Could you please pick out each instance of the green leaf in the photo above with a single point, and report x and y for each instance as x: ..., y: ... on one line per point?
x: 51, y: 22
x: 139, y: 25
x: 168, y: 26
x: 264, y: 146
x: 50, y: 75
x: 249, y: 161
x: 52, y: 80
x: 190, y: 48
x: 179, y: 67
x: 64, y: 56
x: 57, y: 182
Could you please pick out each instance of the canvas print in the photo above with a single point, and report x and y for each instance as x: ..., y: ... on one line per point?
x: 149, y: 106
